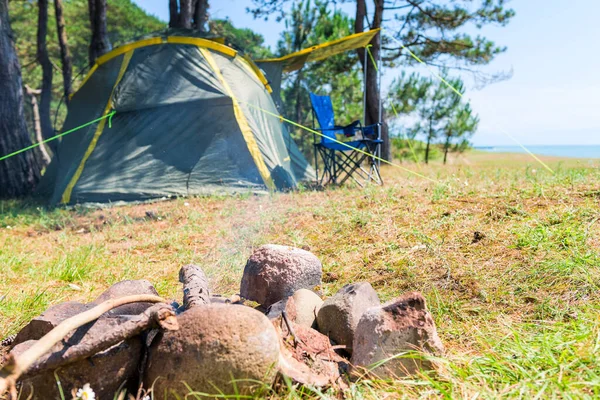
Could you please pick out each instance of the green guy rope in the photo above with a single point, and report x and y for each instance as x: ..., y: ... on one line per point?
x: 109, y: 116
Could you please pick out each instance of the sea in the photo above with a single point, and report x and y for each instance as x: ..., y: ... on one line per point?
x: 571, y: 151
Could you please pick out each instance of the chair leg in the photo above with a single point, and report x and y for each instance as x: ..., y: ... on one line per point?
x: 339, y: 166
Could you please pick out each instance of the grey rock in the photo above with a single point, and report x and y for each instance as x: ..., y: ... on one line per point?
x: 308, y: 304
x: 402, y: 325
x: 275, y: 272
x: 105, y: 372
x: 127, y: 288
x: 339, y: 315
x: 39, y: 326
x: 215, y: 343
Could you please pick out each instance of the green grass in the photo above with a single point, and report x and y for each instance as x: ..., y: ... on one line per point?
x: 517, y: 310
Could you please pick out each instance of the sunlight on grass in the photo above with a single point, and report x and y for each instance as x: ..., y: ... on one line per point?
x: 516, y: 305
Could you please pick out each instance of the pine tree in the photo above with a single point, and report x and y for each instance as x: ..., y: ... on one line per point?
x: 18, y: 174
x: 433, y: 30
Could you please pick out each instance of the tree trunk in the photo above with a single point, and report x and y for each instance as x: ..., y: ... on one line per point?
x: 37, y: 126
x: 299, y: 105
x: 44, y: 60
x: 92, y: 15
x: 201, y: 15
x: 99, y: 44
x: 65, y: 56
x: 173, y: 14
x: 372, y: 86
x: 185, y: 14
x: 429, y: 137
x: 19, y: 173
x: 446, y: 147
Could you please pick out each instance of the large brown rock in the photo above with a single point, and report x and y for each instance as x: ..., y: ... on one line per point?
x: 214, y: 344
x: 275, y: 272
x: 401, y: 325
x: 127, y: 288
x: 39, y: 326
x: 106, y: 372
x: 339, y: 315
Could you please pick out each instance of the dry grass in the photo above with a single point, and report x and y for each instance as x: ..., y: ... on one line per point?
x: 517, y: 308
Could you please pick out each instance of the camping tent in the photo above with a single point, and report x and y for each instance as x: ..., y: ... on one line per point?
x: 189, y: 119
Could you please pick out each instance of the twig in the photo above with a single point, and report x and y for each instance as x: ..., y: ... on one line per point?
x: 16, y: 366
x: 289, y: 326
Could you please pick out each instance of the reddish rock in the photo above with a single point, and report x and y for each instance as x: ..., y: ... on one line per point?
x: 275, y: 272
x: 401, y: 325
x: 127, y: 288
x: 339, y: 315
x: 308, y: 357
x: 214, y: 344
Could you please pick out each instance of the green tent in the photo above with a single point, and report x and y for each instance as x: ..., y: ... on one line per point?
x: 191, y: 117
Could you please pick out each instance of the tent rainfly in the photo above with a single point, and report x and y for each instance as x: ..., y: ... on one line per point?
x: 189, y: 120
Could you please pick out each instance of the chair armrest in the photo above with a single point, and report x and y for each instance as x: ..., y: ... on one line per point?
x: 328, y: 129
x: 354, y: 124
x: 370, y: 131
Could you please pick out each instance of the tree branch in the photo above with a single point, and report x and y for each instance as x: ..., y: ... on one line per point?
x: 158, y: 316
x: 16, y: 366
x: 195, y: 286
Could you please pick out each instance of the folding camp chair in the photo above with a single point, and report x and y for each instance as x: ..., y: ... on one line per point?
x: 344, y: 149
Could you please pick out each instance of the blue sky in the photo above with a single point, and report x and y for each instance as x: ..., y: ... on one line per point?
x: 553, y: 95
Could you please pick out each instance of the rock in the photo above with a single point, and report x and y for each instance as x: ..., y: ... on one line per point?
x: 275, y: 310
x: 307, y: 305
x: 308, y: 357
x: 127, y: 288
x: 275, y: 272
x: 152, y: 214
x: 214, y: 344
x: 106, y: 372
x: 39, y: 326
x: 339, y: 315
x: 398, y: 326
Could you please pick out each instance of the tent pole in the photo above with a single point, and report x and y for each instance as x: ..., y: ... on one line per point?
x: 380, y: 98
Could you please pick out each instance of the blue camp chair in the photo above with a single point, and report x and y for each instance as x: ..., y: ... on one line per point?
x: 344, y: 149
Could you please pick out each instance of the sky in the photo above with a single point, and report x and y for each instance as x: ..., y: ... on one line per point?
x: 553, y: 96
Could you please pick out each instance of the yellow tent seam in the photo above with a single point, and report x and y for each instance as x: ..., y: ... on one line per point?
x: 210, y: 44
x: 87, y: 77
x: 242, y: 122
x: 205, y: 43
x: 127, y: 48
x: 253, y: 69
x: 66, y: 197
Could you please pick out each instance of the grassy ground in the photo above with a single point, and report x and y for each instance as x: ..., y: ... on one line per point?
x: 517, y: 309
